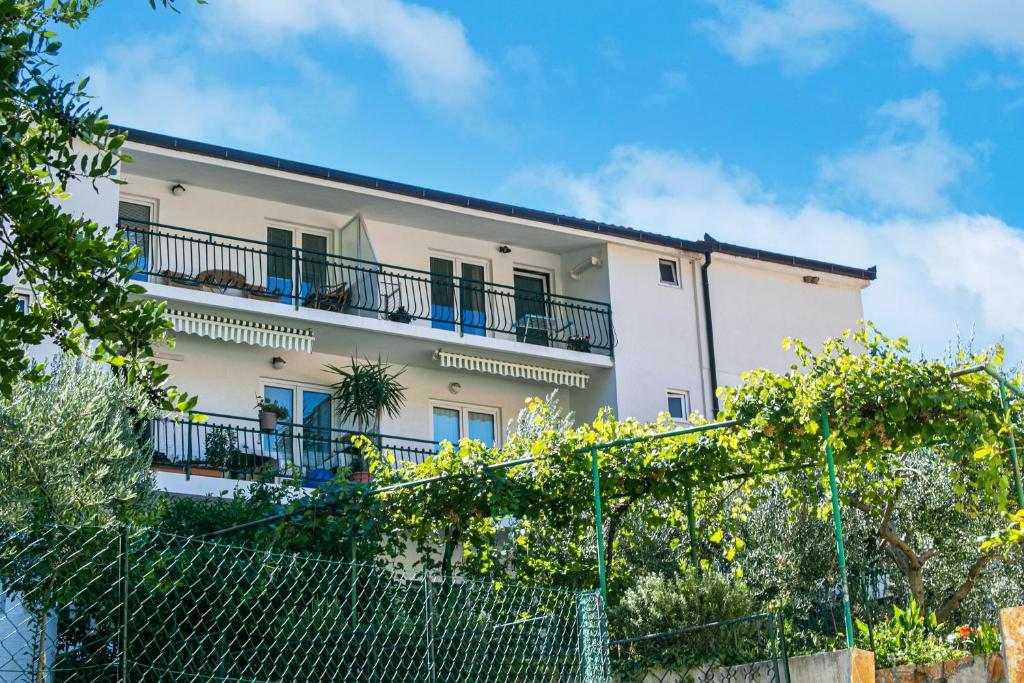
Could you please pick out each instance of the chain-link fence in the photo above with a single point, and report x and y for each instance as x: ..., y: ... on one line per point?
x: 140, y: 605
x: 746, y: 650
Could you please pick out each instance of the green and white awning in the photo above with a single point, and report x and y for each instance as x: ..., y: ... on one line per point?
x: 242, y: 331
x: 492, y: 366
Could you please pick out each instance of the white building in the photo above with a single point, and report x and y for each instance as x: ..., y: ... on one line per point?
x: 272, y: 269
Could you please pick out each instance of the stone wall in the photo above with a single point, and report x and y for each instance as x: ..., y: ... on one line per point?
x: 977, y: 669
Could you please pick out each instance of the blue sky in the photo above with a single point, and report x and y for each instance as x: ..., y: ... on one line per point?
x: 866, y: 132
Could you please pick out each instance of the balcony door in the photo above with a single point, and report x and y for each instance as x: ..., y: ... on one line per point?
x: 136, y: 219
x: 533, y: 321
x: 452, y: 422
x: 458, y: 301
x: 282, y: 263
x: 306, y: 433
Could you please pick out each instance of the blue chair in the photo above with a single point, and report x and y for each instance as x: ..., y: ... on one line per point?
x: 317, y: 477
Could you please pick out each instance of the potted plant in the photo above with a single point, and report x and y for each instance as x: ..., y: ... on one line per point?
x: 220, y: 443
x: 578, y: 343
x: 400, y: 315
x: 365, y: 392
x: 270, y: 412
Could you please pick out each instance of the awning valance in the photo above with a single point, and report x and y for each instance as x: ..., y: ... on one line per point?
x: 537, y: 373
x: 242, y: 331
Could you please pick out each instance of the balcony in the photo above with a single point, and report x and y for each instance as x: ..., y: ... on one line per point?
x: 235, y: 447
x: 195, y: 259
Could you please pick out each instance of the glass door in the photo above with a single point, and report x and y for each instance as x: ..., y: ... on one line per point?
x: 279, y: 263
x: 473, y: 313
x: 314, y: 263
x: 316, y: 430
x: 279, y: 446
x: 532, y: 319
x: 442, y: 293
x: 135, y: 219
x: 471, y: 302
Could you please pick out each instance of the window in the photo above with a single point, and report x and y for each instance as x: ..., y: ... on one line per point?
x: 280, y: 264
x: 669, y: 271
x: 452, y: 422
x: 22, y: 303
x: 307, y: 432
x: 533, y: 320
x: 679, y: 405
x: 465, y: 294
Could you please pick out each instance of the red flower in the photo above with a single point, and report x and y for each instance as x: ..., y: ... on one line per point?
x: 966, y: 631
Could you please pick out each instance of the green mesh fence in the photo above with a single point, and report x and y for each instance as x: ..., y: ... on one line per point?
x: 139, y: 605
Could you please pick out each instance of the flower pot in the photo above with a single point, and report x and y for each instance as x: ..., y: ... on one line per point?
x: 268, y: 421
x: 203, y: 471
x: 400, y: 317
x: 361, y: 477
x: 163, y: 467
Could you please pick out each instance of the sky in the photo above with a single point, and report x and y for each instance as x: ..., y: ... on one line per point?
x: 864, y: 132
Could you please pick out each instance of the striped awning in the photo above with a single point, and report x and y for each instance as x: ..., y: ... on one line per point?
x: 242, y: 331
x: 537, y: 373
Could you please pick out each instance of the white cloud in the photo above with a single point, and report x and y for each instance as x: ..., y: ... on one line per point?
x: 150, y: 86
x: 909, y: 165
x: 801, y: 34
x: 427, y: 49
x: 938, y: 27
x: 935, y: 274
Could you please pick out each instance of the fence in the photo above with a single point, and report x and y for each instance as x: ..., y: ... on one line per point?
x: 139, y: 605
x: 302, y: 277
x: 746, y: 650
x: 237, y: 446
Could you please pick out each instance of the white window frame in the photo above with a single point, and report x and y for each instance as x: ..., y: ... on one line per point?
x: 23, y: 294
x: 151, y: 202
x: 464, y: 410
x: 296, y: 387
x: 675, y: 272
x: 685, y: 396
x: 297, y: 229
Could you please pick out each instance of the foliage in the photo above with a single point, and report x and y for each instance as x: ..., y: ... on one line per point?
x: 983, y: 640
x: 655, y: 604
x: 267, y: 405
x: 221, y: 444
x: 72, y: 450
x: 910, y: 638
x: 52, y: 141
x: 366, y: 391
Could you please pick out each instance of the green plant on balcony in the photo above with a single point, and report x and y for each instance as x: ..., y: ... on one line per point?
x: 222, y: 447
x: 578, y: 343
x: 365, y: 392
x: 270, y: 412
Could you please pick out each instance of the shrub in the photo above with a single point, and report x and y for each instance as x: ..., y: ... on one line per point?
x: 910, y: 638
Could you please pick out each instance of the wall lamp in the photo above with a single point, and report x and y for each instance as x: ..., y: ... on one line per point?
x: 504, y: 249
x: 277, y: 362
x: 177, y: 189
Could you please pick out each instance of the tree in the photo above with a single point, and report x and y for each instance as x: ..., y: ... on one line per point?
x: 74, y: 448
x: 79, y: 272
x: 366, y: 392
x: 74, y: 457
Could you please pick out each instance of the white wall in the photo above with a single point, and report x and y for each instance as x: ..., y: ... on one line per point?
x: 756, y: 305
x: 228, y: 376
x: 658, y: 336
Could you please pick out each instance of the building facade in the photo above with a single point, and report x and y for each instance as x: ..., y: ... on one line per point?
x: 273, y: 270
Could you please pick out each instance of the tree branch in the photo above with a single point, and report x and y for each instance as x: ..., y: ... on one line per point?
x: 954, y: 600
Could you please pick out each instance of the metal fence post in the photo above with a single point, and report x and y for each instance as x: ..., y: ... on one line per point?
x: 430, y: 627
x: 122, y: 552
x: 691, y: 528
x: 188, y: 455
x: 1015, y: 463
x: 599, y: 527
x: 838, y: 522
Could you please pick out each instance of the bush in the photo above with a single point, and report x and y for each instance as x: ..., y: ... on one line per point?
x: 910, y: 638
x: 657, y: 603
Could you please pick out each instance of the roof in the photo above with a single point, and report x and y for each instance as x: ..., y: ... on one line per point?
x: 707, y: 245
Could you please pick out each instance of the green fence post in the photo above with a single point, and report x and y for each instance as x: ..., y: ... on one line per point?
x: 598, y: 527
x: 430, y: 627
x: 691, y: 528
x: 1013, y: 444
x: 122, y: 552
x: 837, y: 520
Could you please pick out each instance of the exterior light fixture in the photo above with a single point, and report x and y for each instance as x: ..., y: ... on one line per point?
x: 455, y: 387
x: 177, y: 189
x: 812, y: 279
x: 277, y: 362
x: 504, y: 249
x: 594, y: 261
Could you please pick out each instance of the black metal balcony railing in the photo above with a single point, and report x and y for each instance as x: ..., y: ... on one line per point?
x: 236, y: 447
x: 198, y: 259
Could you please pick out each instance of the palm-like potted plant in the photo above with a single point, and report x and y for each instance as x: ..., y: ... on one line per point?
x: 365, y: 392
x: 270, y: 412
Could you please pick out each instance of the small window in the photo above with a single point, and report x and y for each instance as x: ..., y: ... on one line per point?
x: 678, y: 405
x: 669, y: 272
x: 22, y: 303
x: 452, y: 422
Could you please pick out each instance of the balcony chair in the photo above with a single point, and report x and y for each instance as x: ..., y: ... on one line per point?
x: 330, y: 298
